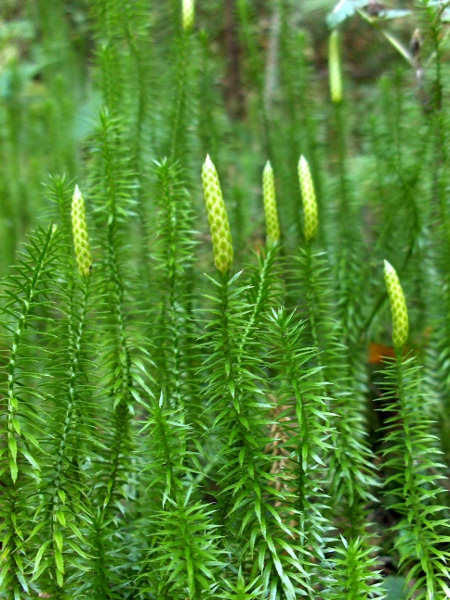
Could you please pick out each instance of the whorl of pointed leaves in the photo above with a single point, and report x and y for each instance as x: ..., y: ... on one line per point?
x: 217, y: 217
x: 80, y: 234
x: 309, y: 200
x: 270, y: 205
x: 399, y: 311
x: 188, y: 14
x: 334, y: 67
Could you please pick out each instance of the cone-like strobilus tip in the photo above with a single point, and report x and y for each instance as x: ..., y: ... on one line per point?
x: 310, y: 210
x: 270, y: 205
x: 400, y: 323
x: 80, y: 234
x: 217, y: 217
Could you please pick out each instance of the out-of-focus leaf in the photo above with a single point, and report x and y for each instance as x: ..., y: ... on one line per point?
x: 394, y: 587
x: 347, y: 8
x: 393, y: 14
x: 21, y: 29
x: 343, y: 10
x: 398, y: 46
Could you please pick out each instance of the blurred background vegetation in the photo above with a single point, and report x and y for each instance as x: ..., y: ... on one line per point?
x: 50, y: 96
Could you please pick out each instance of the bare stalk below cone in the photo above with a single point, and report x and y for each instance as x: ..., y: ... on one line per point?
x: 217, y: 217
x: 400, y: 324
x: 334, y: 67
x: 270, y: 205
x: 309, y: 200
x: 80, y: 234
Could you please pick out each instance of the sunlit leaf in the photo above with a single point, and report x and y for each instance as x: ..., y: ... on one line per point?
x: 393, y: 14
x: 343, y: 10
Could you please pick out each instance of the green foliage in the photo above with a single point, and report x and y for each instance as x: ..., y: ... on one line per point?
x: 172, y: 429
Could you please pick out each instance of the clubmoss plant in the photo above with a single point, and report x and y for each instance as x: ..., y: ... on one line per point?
x: 423, y: 527
x: 344, y: 206
x: 181, y: 424
x: 24, y: 293
x: 62, y: 513
x: 351, y: 471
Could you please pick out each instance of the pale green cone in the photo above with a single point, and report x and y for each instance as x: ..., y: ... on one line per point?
x: 188, y: 14
x: 270, y: 205
x: 334, y: 67
x: 80, y: 234
x: 309, y: 200
x: 217, y: 217
x: 400, y: 326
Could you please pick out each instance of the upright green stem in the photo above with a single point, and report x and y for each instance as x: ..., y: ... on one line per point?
x: 341, y: 156
x: 313, y: 303
x: 256, y: 78
x: 412, y: 485
x: 58, y: 492
x: 263, y: 282
x: 178, y: 121
x: 123, y: 382
x: 229, y: 362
